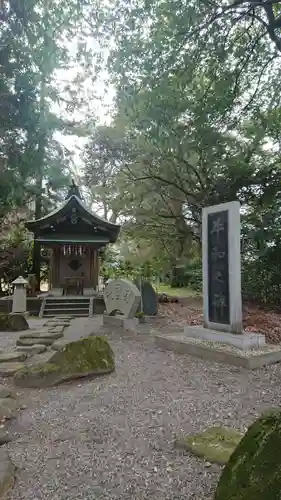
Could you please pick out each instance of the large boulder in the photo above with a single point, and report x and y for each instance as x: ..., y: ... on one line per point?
x: 92, y: 356
x: 254, y: 469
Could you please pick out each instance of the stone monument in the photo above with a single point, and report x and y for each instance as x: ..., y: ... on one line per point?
x: 149, y: 298
x: 223, y: 332
x: 222, y: 267
x: 221, y: 263
x: 121, y: 296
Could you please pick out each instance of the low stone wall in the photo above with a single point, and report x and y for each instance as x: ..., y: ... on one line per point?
x: 33, y: 305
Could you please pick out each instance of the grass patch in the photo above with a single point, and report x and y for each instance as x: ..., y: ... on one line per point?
x: 215, y: 444
x: 177, y: 292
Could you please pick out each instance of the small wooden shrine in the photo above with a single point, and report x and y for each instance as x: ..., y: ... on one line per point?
x: 76, y: 239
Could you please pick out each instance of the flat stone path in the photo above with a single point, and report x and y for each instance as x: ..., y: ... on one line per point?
x: 78, y: 328
x: 82, y: 327
x: 8, y: 339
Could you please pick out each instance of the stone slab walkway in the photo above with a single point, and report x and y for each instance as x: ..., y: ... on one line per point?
x: 8, y: 339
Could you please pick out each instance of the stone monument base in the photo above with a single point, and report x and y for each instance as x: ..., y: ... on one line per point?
x: 243, y: 340
x: 118, y: 321
x: 221, y: 353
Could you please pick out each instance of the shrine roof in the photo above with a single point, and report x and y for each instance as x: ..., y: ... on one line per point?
x: 74, y: 204
x: 72, y: 239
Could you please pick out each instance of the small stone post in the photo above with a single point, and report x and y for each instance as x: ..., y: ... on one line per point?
x: 19, y: 296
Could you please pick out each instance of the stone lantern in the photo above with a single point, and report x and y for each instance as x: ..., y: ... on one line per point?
x: 19, y: 296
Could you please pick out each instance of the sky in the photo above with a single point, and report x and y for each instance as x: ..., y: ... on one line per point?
x: 99, y: 96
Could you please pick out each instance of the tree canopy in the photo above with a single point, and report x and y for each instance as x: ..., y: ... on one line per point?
x: 197, y: 118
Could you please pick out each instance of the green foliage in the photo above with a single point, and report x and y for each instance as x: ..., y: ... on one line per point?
x: 117, y: 266
x: 261, y: 264
x: 253, y: 471
x: 188, y: 275
x: 39, y: 42
x: 5, y: 325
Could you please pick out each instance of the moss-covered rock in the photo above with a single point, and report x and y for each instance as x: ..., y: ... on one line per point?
x: 18, y: 322
x: 86, y: 357
x: 215, y: 444
x: 13, y: 323
x: 254, y: 469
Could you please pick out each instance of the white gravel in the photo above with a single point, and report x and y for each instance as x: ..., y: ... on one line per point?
x: 112, y: 437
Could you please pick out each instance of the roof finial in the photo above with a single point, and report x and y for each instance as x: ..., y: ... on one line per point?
x: 73, y: 191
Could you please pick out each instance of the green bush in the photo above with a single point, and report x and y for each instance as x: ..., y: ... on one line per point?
x: 254, y: 469
x: 189, y: 276
x: 5, y: 323
x: 261, y: 278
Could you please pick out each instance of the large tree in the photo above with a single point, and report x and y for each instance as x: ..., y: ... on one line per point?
x: 40, y: 42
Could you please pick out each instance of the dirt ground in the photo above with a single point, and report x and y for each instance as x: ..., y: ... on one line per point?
x: 188, y: 311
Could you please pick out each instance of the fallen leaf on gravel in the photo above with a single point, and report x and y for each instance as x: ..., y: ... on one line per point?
x: 255, y: 319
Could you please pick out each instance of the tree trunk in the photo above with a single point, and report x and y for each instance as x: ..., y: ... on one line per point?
x: 36, y: 257
x: 42, y: 141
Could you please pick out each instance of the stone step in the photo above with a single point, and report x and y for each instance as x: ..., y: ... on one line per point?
x: 67, y: 302
x: 66, y: 306
x: 56, y: 322
x: 56, y: 328
x: 44, y: 335
x: 13, y: 356
x: 76, y: 314
x: 9, y: 369
x: 65, y: 317
x: 31, y: 349
x: 36, y: 341
x: 61, y: 307
x: 56, y: 311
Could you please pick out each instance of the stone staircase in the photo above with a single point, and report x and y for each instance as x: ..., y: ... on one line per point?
x: 71, y: 305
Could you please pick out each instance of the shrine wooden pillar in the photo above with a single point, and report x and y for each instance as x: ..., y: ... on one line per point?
x: 95, y: 269
x: 92, y: 278
x: 55, y: 266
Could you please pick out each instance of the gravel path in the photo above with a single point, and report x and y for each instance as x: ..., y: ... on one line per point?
x: 112, y: 438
